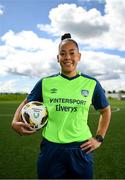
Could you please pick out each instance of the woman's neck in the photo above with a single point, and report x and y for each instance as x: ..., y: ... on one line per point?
x: 69, y: 74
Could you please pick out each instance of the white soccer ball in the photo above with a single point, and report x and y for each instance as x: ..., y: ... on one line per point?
x: 35, y: 114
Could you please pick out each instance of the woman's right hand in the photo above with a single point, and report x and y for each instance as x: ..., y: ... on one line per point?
x: 22, y: 128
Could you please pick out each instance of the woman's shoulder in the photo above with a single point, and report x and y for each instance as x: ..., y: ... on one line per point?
x: 88, y: 76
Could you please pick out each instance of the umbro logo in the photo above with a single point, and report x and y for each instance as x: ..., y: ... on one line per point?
x: 53, y: 90
x: 85, y: 93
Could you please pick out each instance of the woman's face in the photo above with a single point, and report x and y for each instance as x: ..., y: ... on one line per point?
x: 68, y: 58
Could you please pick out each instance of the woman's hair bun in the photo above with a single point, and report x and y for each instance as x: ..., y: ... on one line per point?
x: 66, y: 36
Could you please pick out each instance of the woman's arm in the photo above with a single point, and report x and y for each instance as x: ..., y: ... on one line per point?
x: 104, y: 120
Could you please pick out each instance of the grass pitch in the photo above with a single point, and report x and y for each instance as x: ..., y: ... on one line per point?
x: 18, y: 154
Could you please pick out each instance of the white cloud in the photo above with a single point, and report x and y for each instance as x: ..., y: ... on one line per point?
x: 1, y: 10
x: 99, y: 1
x: 26, y: 54
x: 27, y: 40
x: 108, y: 69
x: 38, y: 60
x: 115, y: 14
x: 102, y: 65
x: 90, y: 27
x: 8, y: 86
x: 28, y: 63
x: 84, y: 24
x: 114, y: 84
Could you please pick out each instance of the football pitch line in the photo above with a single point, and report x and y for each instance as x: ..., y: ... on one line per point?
x: 113, y: 109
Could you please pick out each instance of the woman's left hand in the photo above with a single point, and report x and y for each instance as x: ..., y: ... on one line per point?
x: 90, y: 145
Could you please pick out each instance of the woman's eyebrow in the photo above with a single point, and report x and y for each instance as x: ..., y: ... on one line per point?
x: 69, y: 49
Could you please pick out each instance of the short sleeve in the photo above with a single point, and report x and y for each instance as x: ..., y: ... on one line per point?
x: 99, y: 100
x: 36, y: 93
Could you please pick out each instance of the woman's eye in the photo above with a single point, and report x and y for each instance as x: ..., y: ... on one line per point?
x: 62, y: 54
x: 65, y: 54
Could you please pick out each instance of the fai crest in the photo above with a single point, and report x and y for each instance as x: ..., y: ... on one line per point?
x: 36, y: 114
x: 85, y: 93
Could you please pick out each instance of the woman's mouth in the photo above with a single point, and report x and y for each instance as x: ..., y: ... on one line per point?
x: 68, y: 63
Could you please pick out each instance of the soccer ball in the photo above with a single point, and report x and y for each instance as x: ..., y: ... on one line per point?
x: 35, y: 114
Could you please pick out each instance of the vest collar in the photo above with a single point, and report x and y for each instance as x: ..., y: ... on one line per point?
x: 70, y: 78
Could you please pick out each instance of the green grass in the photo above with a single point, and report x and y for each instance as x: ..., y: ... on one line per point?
x: 18, y: 154
x: 12, y: 96
x: 109, y: 158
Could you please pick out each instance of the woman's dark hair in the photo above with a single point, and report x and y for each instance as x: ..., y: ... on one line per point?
x: 67, y: 37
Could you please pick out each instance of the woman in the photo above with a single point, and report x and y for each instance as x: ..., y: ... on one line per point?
x: 67, y: 145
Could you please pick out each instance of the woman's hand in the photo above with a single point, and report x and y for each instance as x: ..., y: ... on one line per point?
x: 18, y: 125
x: 22, y: 128
x: 90, y: 145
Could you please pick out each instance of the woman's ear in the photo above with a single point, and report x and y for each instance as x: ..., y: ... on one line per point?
x: 79, y: 56
x: 57, y: 58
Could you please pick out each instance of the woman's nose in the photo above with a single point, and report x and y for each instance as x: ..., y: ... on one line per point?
x: 67, y: 56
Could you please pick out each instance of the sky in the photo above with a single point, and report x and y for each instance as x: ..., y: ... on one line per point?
x: 30, y: 32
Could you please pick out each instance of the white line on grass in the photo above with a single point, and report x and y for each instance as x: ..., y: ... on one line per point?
x: 113, y: 109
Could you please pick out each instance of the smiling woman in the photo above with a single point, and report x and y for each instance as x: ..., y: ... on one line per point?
x: 69, y: 55
x: 67, y: 145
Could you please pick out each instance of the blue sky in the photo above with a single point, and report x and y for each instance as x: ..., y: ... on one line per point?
x: 30, y: 32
